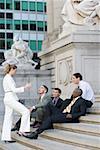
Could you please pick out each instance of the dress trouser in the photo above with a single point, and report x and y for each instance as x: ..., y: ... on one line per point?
x: 55, y: 118
x: 40, y: 112
x: 25, y: 120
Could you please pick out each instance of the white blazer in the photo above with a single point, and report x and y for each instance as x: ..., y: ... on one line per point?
x: 10, y: 88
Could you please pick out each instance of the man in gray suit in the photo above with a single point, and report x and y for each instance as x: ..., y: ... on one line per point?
x: 38, y: 109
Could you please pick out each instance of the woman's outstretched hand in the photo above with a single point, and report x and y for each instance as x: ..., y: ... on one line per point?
x: 28, y: 86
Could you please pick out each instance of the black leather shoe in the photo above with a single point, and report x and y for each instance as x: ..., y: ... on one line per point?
x: 33, y: 135
x: 12, y: 141
x: 37, y: 125
x: 14, y: 129
x: 33, y: 124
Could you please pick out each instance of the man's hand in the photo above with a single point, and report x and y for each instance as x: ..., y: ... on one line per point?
x: 69, y: 116
x: 64, y: 111
x: 32, y: 108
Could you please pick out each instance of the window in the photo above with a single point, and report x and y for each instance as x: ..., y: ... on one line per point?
x: 45, y: 26
x: 45, y: 7
x: 2, y: 44
x: 40, y: 6
x: 33, y: 45
x: 2, y: 1
x: 33, y: 25
x: 17, y: 5
x: 2, y: 15
x: 40, y: 25
x: 24, y: 5
x: 24, y: 25
x: 17, y: 25
x: 9, y: 15
x: 2, y: 24
x: 39, y: 45
x: 2, y: 4
x: 32, y: 6
x: 9, y: 24
x: 9, y: 43
x: 8, y: 4
x: 2, y: 35
x: 9, y: 35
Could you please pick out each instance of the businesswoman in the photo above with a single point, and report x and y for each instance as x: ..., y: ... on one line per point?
x: 11, y: 103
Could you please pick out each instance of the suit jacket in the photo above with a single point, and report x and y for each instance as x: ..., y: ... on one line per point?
x: 78, y: 109
x: 51, y: 108
x: 58, y: 104
x: 46, y: 99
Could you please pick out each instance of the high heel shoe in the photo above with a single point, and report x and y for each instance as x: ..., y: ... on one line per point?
x: 12, y: 141
x: 19, y: 133
x: 22, y: 133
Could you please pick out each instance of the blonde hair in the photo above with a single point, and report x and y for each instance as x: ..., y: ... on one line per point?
x: 7, y: 68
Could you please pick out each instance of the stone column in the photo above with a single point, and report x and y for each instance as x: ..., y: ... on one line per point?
x: 50, y: 19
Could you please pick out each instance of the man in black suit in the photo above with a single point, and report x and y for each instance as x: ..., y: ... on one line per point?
x: 56, y: 102
x: 72, y: 109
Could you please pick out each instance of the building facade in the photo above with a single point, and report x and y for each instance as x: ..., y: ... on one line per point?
x: 26, y: 18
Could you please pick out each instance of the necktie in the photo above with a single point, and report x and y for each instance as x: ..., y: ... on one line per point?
x: 68, y: 108
x: 54, y: 101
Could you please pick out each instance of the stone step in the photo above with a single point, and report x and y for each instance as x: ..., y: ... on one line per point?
x: 97, y: 98
x: 46, y: 144
x: 14, y: 146
x: 89, y: 118
x: 93, y: 110
x: 82, y: 140
x: 90, y: 129
x: 1, y: 148
x: 96, y: 104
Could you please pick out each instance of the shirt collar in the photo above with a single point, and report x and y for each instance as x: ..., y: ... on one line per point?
x: 42, y: 96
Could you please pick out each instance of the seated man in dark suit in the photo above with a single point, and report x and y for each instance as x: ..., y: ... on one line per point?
x: 72, y: 109
x: 56, y: 102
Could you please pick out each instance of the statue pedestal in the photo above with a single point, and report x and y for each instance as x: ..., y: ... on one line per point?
x: 24, y: 75
x: 78, y: 51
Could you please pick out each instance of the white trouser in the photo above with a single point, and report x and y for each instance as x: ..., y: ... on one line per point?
x: 7, y: 124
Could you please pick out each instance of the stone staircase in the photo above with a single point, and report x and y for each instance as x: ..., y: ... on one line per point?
x: 77, y: 136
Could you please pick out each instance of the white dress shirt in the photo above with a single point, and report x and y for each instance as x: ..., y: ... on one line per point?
x: 88, y: 93
x: 42, y: 97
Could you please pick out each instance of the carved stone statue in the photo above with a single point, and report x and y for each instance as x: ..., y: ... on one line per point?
x: 81, y: 12
x: 20, y: 51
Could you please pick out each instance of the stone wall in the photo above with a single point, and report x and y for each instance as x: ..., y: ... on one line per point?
x: 76, y: 52
x: 54, y: 19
